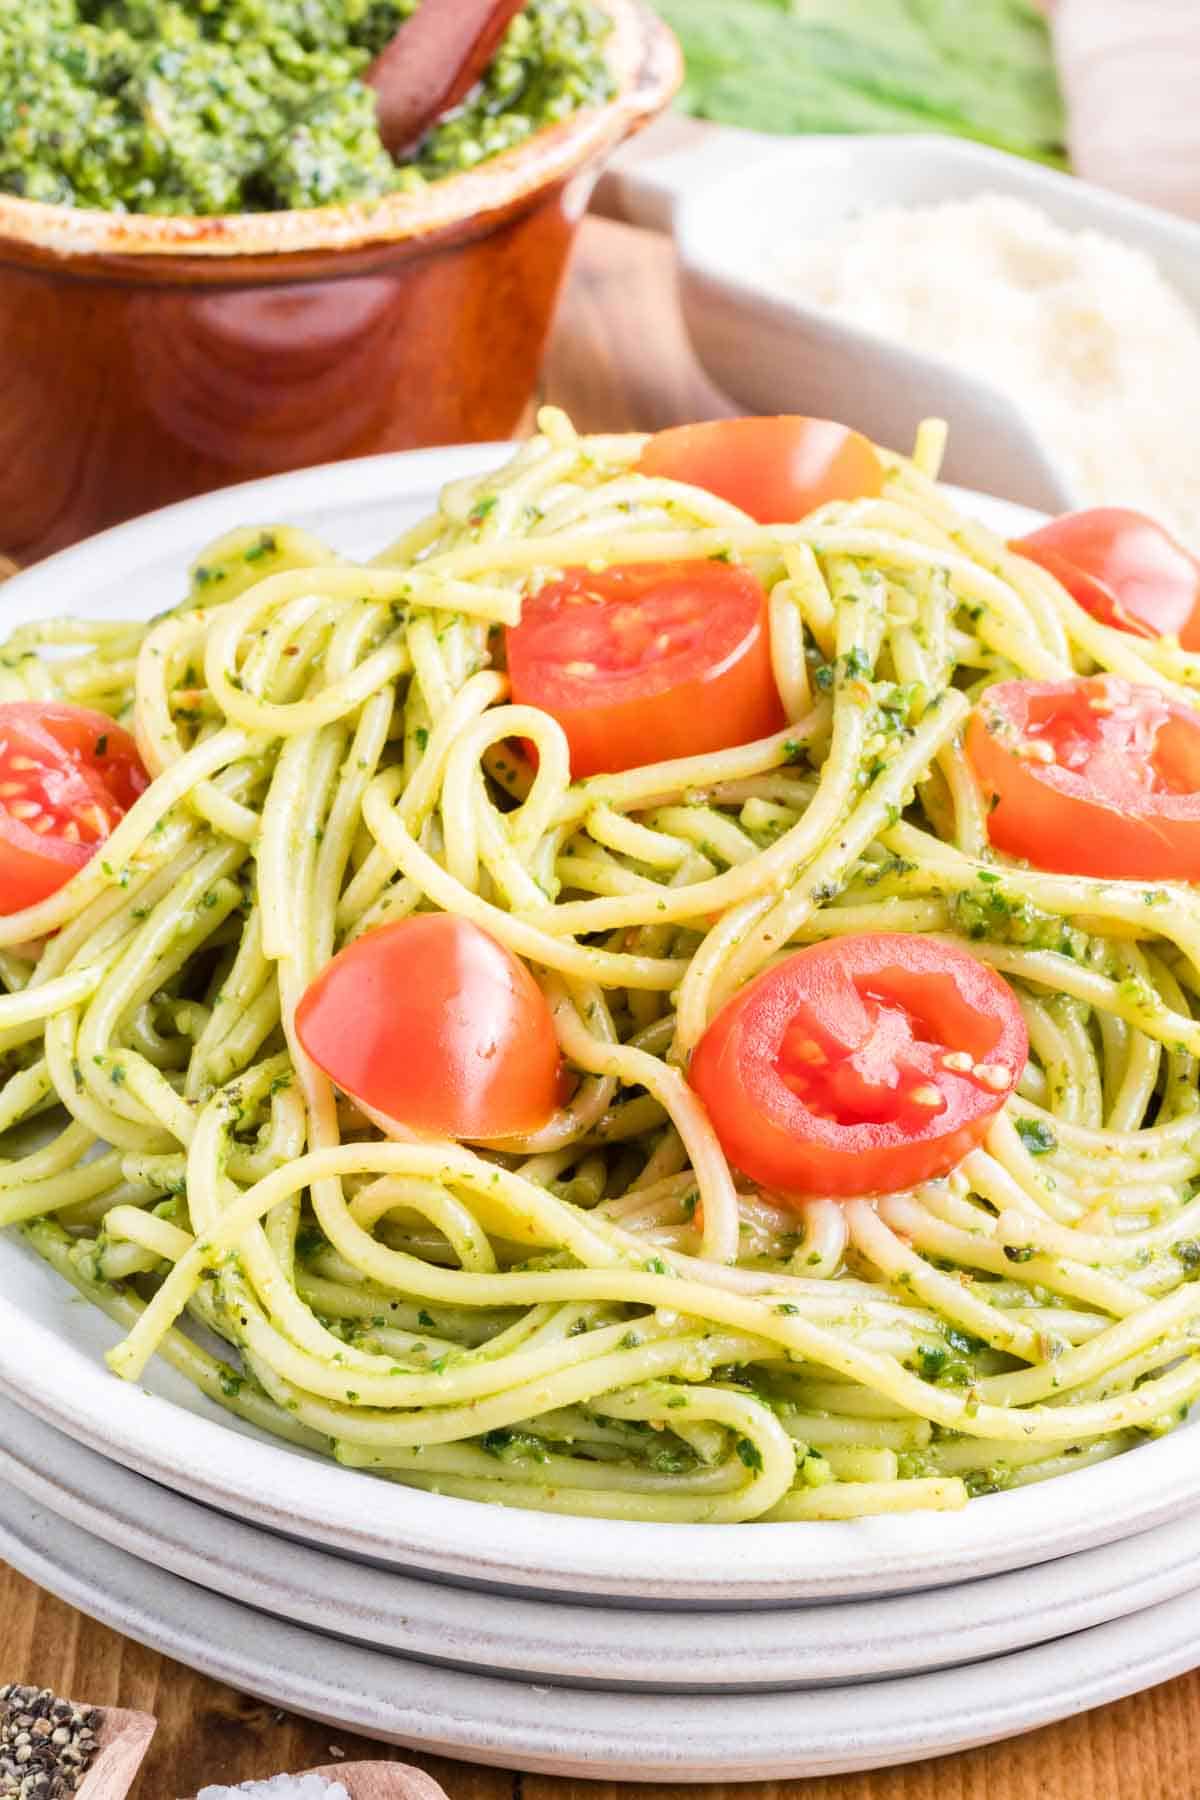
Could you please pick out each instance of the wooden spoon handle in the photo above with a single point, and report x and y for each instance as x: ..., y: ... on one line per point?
x: 435, y: 59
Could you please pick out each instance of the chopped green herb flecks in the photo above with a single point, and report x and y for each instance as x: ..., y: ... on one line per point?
x: 1036, y: 1136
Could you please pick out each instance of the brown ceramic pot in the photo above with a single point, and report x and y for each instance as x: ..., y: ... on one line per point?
x: 144, y: 359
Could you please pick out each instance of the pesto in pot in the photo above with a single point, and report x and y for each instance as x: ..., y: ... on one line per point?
x: 226, y: 106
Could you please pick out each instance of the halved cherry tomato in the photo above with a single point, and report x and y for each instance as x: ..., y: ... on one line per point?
x: 433, y: 1024
x: 1124, y: 569
x: 861, y: 1065
x: 68, y: 776
x: 1092, y: 776
x: 648, y: 661
x: 775, y: 469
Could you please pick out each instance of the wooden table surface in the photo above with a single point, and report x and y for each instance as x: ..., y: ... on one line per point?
x: 618, y: 361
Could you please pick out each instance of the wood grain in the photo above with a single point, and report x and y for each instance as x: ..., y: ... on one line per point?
x: 618, y: 361
x: 618, y: 358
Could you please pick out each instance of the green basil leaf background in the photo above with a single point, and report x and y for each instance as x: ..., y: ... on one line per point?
x: 979, y: 68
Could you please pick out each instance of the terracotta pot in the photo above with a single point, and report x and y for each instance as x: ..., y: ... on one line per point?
x: 144, y: 359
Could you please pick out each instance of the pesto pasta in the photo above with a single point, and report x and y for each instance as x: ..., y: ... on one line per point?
x: 604, y: 1317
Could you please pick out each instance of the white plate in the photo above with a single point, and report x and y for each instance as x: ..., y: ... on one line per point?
x: 579, y: 1732
x: 593, y: 1646
x: 51, y: 1344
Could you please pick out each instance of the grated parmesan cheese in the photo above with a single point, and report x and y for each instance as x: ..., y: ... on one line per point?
x: 1090, y: 341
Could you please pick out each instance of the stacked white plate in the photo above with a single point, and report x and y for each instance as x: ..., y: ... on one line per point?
x: 576, y: 1646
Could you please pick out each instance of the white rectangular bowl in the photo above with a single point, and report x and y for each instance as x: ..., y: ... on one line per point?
x: 732, y: 195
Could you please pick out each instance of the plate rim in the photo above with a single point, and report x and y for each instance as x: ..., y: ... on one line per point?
x: 596, y: 1733
x: 590, y: 1646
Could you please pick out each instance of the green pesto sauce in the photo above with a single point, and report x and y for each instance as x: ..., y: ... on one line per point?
x: 226, y: 106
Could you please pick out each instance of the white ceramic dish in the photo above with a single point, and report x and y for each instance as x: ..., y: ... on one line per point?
x: 577, y: 1732
x: 732, y: 195
x: 51, y: 1345
x: 592, y: 1646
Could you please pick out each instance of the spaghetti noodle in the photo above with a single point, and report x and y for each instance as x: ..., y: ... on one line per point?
x: 603, y: 1318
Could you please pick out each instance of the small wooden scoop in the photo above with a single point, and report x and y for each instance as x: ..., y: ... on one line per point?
x: 124, y: 1740
x: 433, y: 61
x: 374, y: 1781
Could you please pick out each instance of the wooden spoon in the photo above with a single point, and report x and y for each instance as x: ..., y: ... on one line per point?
x: 124, y: 1740
x: 434, y: 59
x: 374, y: 1781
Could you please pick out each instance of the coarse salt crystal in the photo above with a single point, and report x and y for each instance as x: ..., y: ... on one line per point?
x: 280, y: 1787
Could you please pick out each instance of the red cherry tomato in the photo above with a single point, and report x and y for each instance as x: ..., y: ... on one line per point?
x: 648, y: 661
x: 777, y: 470
x: 1124, y: 569
x: 1090, y: 777
x: 434, y: 1024
x: 68, y: 776
x: 861, y: 1065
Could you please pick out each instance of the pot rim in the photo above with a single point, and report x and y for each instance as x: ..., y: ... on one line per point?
x: 648, y: 67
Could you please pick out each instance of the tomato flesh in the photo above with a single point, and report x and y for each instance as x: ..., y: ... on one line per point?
x: 648, y: 661
x: 68, y: 776
x: 862, y: 1065
x: 1124, y: 569
x: 435, y: 1025
x: 1092, y: 776
x: 776, y: 469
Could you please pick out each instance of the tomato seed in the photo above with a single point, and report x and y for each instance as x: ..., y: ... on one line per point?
x: 24, y: 809
x: 9, y: 789
x: 23, y: 763
x: 958, y: 1061
x: 42, y: 825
